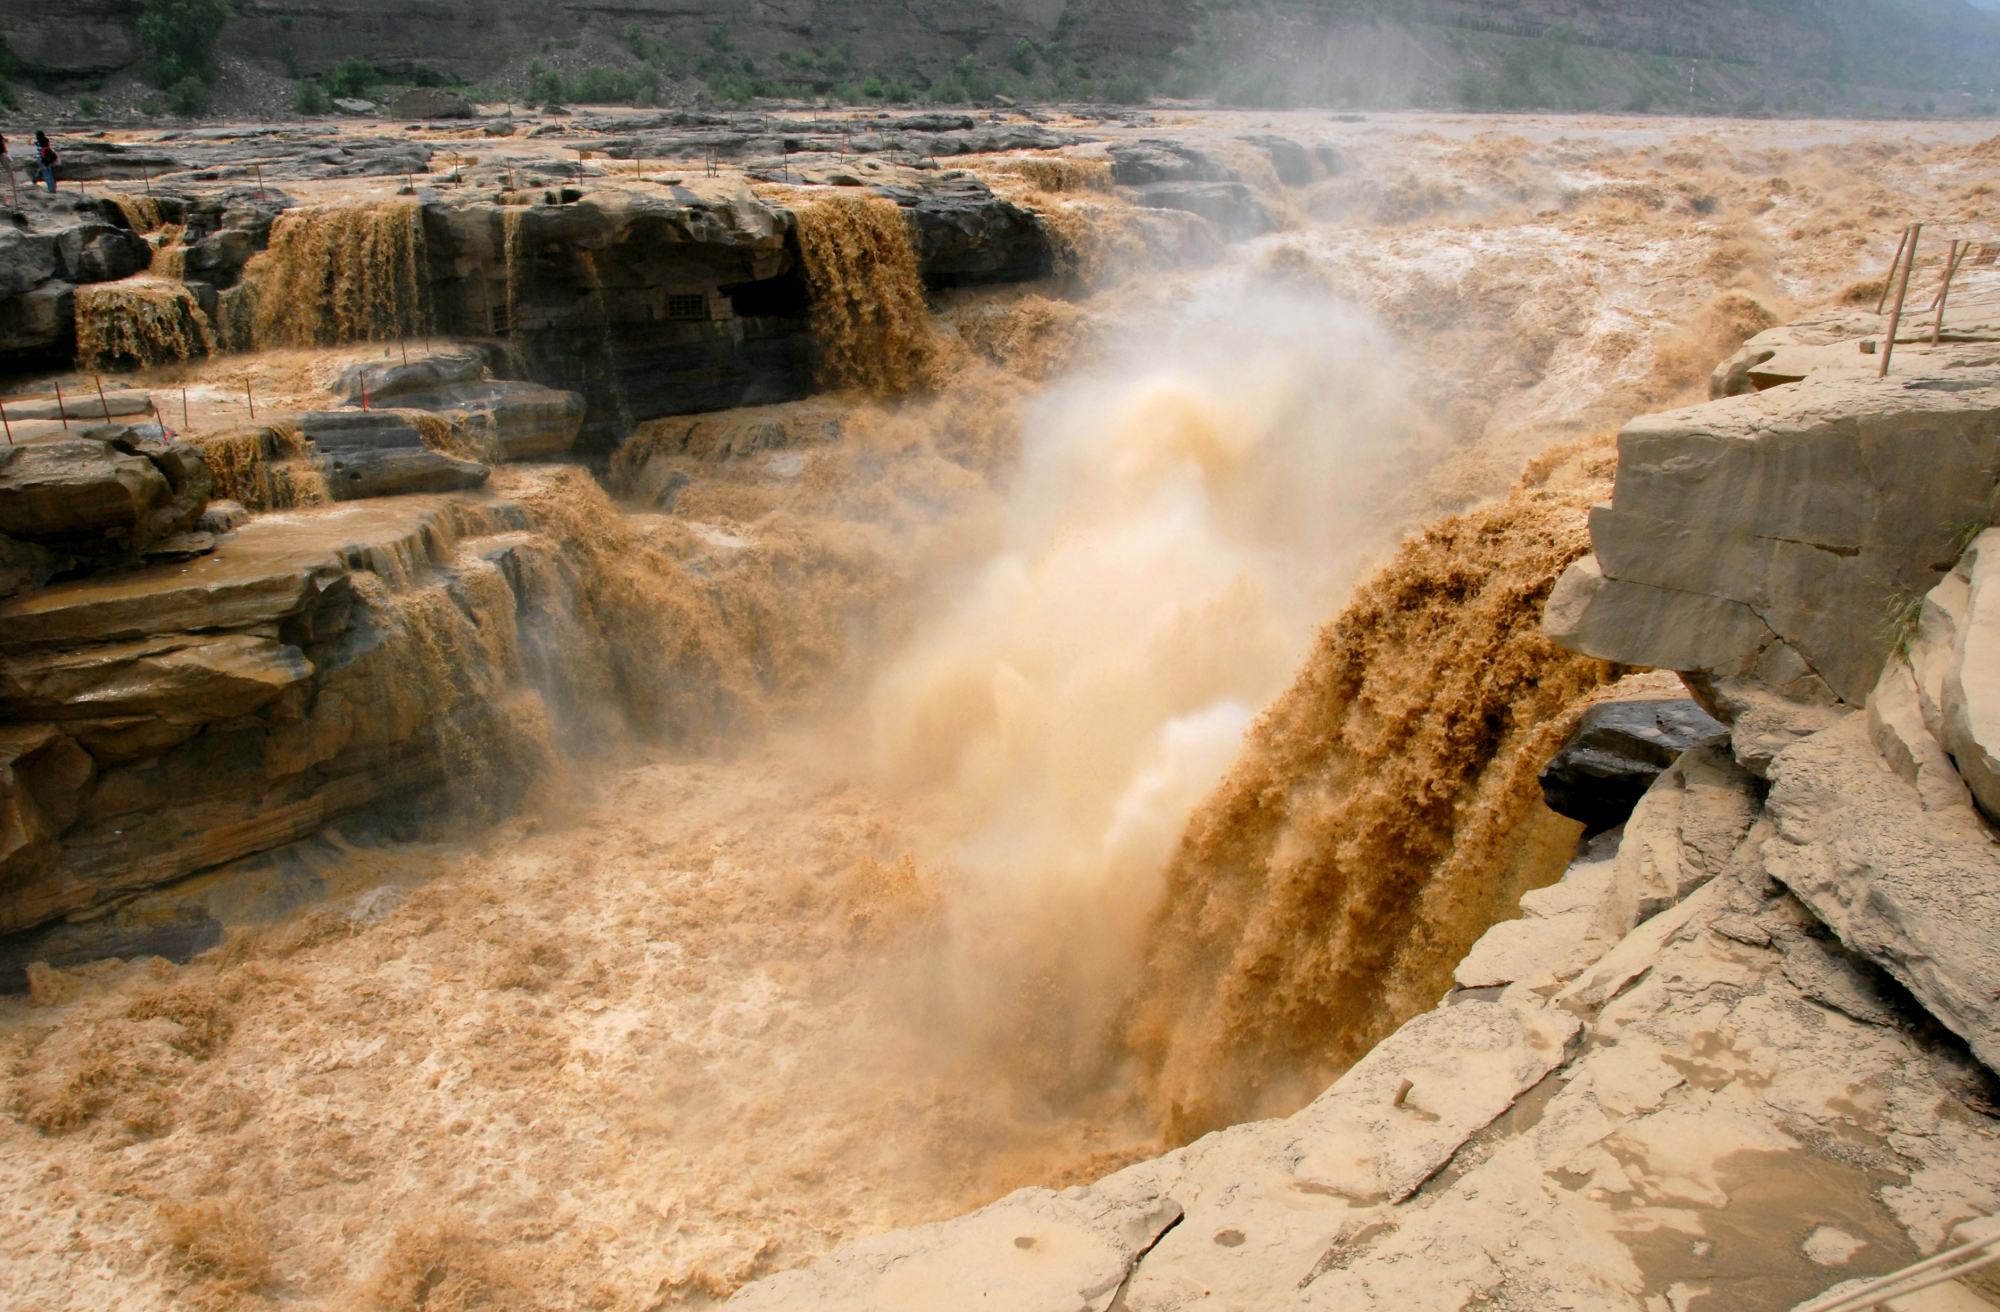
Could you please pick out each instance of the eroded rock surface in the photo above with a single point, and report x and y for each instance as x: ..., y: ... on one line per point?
x: 1723, y: 1100
x: 169, y: 719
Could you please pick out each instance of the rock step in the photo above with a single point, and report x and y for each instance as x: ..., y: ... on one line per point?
x: 275, y: 569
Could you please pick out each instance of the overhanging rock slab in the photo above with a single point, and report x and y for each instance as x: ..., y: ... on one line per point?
x: 1711, y: 519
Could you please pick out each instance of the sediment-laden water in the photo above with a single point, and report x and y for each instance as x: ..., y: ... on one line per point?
x: 971, y: 801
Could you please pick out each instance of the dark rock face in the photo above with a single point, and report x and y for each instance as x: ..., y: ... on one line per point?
x: 1136, y: 163
x: 381, y: 453
x: 1616, y: 752
x: 646, y: 307
x: 1235, y: 210
x: 99, y: 252
x: 964, y: 234
x: 428, y: 102
x: 1293, y: 163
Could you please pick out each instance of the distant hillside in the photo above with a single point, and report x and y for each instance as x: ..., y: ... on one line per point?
x: 1772, y: 56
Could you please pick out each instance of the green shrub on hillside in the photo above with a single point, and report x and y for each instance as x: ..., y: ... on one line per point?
x: 177, y: 39
x: 353, y: 79
x: 312, y: 98
x: 188, y: 97
x: 545, y: 85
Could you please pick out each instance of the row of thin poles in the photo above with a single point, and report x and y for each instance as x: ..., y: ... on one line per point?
x: 1899, y: 279
x: 62, y: 406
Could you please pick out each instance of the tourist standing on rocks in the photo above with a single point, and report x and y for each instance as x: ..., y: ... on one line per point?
x: 46, y: 155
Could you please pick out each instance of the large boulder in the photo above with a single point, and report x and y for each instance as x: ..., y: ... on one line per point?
x: 1235, y: 210
x: 26, y: 260
x: 81, y: 495
x: 380, y: 453
x: 100, y: 252
x: 386, y: 382
x: 1616, y: 752
x: 962, y: 233
x: 1954, y: 670
x: 1710, y: 561
x: 506, y: 420
x: 1136, y: 163
x: 429, y: 102
x: 1914, y: 888
x: 1292, y: 162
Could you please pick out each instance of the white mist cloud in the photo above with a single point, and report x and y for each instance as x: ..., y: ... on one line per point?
x: 1182, y: 519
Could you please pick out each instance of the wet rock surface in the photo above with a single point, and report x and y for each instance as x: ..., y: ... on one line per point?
x: 112, y: 492
x: 964, y: 234
x: 379, y: 453
x: 1616, y: 752
x: 173, y: 718
x: 506, y: 420
x: 1234, y: 209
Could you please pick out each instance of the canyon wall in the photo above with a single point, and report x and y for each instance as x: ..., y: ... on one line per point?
x: 1920, y: 45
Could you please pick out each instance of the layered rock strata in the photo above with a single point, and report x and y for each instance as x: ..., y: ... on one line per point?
x: 319, y: 664
x: 1759, y: 543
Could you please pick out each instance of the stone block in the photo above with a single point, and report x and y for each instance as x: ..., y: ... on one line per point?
x: 962, y: 234
x: 26, y: 260
x: 1681, y: 835
x: 385, y: 381
x: 429, y: 102
x: 1707, y: 512
x: 1613, y: 619
x: 510, y: 420
x: 1616, y: 752
x: 379, y: 453
x: 1137, y: 163
x: 1969, y: 705
x: 1915, y: 890
x: 1896, y: 727
x: 80, y: 494
x: 189, y: 679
